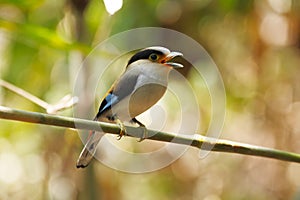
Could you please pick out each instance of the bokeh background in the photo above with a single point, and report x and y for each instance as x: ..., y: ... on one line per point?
x: 255, y: 45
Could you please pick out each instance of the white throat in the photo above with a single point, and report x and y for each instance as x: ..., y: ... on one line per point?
x: 151, y: 70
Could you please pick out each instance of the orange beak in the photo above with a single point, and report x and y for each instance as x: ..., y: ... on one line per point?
x: 169, y: 57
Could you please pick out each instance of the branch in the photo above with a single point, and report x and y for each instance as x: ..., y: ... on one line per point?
x: 66, y: 102
x: 195, y: 140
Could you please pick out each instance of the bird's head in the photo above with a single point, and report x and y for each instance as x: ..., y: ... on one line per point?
x: 156, y: 54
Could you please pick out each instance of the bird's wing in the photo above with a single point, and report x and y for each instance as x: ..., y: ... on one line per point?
x: 108, y: 101
x: 122, y: 88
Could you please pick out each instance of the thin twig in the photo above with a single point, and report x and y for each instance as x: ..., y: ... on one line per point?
x: 195, y: 140
x: 24, y: 94
x: 66, y: 102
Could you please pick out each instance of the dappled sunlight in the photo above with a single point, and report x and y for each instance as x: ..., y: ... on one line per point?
x: 255, y: 46
x: 112, y: 6
x: 10, y: 168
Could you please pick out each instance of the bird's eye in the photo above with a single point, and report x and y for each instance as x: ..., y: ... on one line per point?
x: 153, y: 57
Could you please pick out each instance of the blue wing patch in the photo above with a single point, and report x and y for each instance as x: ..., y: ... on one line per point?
x: 110, y: 100
x: 121, y: 89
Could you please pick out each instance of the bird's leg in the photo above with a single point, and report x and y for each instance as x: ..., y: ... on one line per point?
x: 145, y: 134
x: 122, y: 128
x: 121, y: 125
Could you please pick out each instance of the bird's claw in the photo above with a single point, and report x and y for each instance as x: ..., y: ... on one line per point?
x: 145, y: 134
x: 122, y: 129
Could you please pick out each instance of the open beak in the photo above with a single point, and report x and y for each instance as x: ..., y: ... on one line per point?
x: 169, y: 57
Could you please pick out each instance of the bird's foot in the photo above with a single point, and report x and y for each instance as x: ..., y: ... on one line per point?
x: 122, y: 129
x: 145, y: 133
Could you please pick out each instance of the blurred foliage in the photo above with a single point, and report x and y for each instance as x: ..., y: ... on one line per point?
x: 255, y: 44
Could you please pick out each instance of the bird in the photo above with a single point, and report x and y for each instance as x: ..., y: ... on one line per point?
x: 141, y: 86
